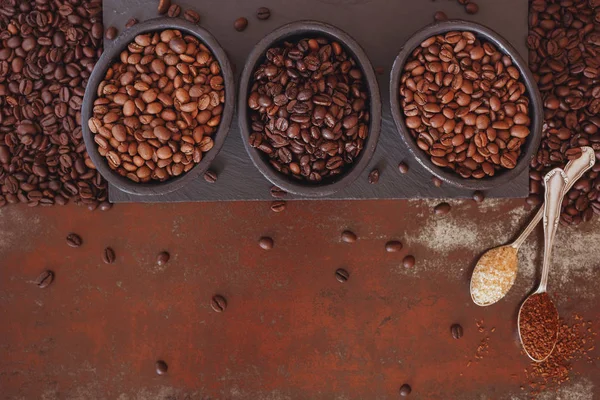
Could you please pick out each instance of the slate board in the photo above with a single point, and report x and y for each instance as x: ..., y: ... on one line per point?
x: 380, y: 27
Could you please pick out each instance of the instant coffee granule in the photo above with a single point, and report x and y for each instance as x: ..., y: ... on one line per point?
x: 494, y: 275
x: 575, y: 342
x: 538, y: 325
x: 484, y: 345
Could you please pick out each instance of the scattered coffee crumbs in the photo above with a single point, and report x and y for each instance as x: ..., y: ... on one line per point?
x: 575, y: 342
x: 484, y: 344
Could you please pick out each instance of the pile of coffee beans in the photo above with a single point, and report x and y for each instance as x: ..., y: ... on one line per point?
x: 158, y: 107
x: 564, y: 56
x: 465, y: 105
x: 309, y: 109
x: 47, y: 52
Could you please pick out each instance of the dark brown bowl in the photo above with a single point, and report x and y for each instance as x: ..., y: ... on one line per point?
x: 108, y: 57
x: 296, y: 30
x: 535, y: 105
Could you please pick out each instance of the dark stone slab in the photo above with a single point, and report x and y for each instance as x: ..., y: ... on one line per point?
x: 381, y: 27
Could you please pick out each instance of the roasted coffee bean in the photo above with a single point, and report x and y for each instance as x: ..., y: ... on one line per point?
x: 44, y: 279
x: 163, y: 6
x: 471, y: 8
x: 161, y: 367
x: 263, y: 13
x: 374, y: 176
x: 240, y: 24
x: 159, y: 110
x: 442, y: 209
x: 437, y: 182
x: 108, y: 256
x: 47, y: 52
x: 174, y: 11
x: 111, y: 33
x: 105, y: 206
x: 210, y: 176
x: 478, y: 196
x: 408, y: 261
x: 403, y: 168
x: 349, y: 237
x: 405, y: 390
x: 278, y: 206
x: 341, y: 275
x: 218, y: 303
x: 457, y: 331
x: 393, y: 246
x: 74, y: 240
x: 191, y: 16
x: 309, y: 109
x: 440, y: 16
x: 162, y: 258
x: 563, y: 43
x: 131, y: 22
x: 277, y: 192
x: 266, y: 243
x: 465, y: 104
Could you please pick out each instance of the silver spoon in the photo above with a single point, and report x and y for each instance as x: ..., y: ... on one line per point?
x: 539, y: 336
x: 502, y: 261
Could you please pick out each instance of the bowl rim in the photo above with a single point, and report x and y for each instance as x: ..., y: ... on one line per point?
x: 535, y: 104
x: 106, y: 60
x: 350, y: 44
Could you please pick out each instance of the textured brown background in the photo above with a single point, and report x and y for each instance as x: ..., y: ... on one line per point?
x: 291, y: 331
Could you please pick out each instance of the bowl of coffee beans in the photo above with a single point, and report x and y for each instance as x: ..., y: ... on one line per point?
x: 158, y: 106
x: 466, y: 105
x: 309, y: 108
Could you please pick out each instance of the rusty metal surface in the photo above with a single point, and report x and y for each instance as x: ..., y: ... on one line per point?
x: 291, y: 330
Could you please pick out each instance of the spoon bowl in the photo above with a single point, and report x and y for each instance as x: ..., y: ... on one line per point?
x: 489, y: 286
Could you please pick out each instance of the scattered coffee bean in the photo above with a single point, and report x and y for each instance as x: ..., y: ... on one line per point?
x: 405, y: 390
x: 266, y: 243
x: 471, y: 8
x: 409, y: 261
x: 473, y: 118
x: 210, y: 176
x: 147, y: 112
x: 349, y: 237
x: 478, y: 196
x: 161, y: 367
x: 74, y: 240
x: 174, y: 11
x: 567, y: 77
x: 278, y: 206
x: 92, y: 206
x: 341, y: 275
x: 277, y: 192
x: 457, y: 331
x: 111, y: 33
x: 218, y: 303
x: 163, y: 6
x: 393, y: 246
x: 440, y: 16
x: 44, y: 279
x: 263, y: 13
x: 131, y: 22
x: 403, y: 168
x: 240, y: 24
x: 105, y: 206
x: 162, y: 258
x: 437, y: 182
x: 108, y: 256
x: 379, y: 70
x: 191, y: 16
x: 442, y: 209
x: 374, y: 176
x: 309, y: 109
x: 54, y: 46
